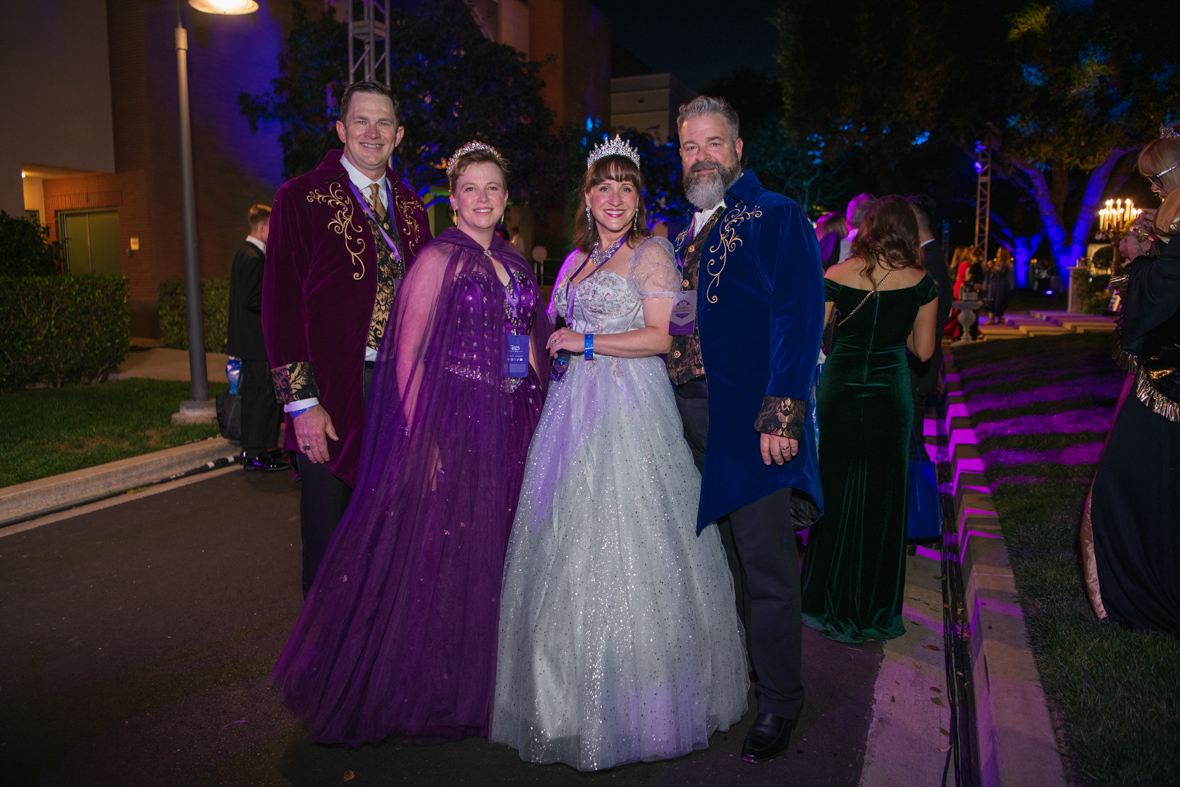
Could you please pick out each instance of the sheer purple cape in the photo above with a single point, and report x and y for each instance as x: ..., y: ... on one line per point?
x: 398, y: 634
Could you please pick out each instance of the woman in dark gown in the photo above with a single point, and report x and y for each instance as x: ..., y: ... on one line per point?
x: 398, y: 634
x: 1131, y: 525
x: 854, y: 569
x: 996, y: 286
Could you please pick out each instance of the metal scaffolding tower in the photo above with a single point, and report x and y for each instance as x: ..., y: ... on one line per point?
x: 983, y: 194
x: 368, y: 36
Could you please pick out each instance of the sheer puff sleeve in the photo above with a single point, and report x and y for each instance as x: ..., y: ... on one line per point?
x: 653, y: 270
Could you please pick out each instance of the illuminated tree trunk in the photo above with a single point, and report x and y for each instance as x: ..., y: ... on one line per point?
x: 1069, y: 247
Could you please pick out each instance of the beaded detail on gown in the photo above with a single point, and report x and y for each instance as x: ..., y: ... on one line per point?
x: 619, y: 640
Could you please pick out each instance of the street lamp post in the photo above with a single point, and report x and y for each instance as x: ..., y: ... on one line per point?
x: 200, y: 408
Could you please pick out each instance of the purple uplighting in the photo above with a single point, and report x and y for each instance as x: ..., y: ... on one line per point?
x: 1103, y: 388
x: 1024, y: 480
x: 1005, y: 373
x: 1091, y: 419
x: 1084, y: 454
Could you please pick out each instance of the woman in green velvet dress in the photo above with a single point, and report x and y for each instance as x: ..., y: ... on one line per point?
x: 854, y: 569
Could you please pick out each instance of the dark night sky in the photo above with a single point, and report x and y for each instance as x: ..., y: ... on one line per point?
x: 697, y: 40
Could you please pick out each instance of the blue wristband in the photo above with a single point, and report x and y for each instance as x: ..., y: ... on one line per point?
x: 589, y: 347
x: 297, y: 413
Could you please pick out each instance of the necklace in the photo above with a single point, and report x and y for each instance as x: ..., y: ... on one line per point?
x: 599, y: 257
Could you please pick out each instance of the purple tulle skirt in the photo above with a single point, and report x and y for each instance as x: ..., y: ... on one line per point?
x: 398, y: 634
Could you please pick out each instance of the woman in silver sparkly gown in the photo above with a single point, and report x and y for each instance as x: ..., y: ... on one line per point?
x: 618, y: 636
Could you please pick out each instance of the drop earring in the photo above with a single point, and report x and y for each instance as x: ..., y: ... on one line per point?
x: 589, y: 218
x: 635, y: 222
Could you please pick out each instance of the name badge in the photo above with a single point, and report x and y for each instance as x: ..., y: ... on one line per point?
x: 516, y: 356
x: 684, y: 314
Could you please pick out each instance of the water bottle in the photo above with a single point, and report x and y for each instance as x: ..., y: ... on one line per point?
x: 233, y: 371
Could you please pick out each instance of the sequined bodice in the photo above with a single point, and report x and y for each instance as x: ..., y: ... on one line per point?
x: 604, y: 303
x: 481, y: 290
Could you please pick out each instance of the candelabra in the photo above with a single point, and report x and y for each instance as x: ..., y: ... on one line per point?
x: 1115, y: 221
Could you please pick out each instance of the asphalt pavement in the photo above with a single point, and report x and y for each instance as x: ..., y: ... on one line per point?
x: 138, y: 638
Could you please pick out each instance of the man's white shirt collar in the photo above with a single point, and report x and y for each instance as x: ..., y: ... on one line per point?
x: 362, y: 181
x: 701, y: 216
x: 261, y: 246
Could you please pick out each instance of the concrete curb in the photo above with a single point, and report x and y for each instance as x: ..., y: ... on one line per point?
x: 47, y: 495
x: 1017, y: 742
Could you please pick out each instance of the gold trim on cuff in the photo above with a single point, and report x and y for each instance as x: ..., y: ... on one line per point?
x: 782, y: 416
x: 294, y: 382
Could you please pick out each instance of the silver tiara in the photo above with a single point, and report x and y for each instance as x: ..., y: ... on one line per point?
x: 1167, y: 132
x: 616, y: 147
x: 471, y: 147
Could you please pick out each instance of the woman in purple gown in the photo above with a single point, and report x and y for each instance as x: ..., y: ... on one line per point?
x: 398, y: 634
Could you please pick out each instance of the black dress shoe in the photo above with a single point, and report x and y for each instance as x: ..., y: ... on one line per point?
x: 769, y: 737
x: 263, y: 463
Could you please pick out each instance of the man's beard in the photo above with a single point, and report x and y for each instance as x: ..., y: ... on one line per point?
x: 707, y: 191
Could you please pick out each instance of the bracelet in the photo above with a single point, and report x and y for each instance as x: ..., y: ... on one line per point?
x: 589, y: 347
x: 297, y: 413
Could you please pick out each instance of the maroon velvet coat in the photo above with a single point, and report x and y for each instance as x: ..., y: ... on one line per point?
x: 318, y: 293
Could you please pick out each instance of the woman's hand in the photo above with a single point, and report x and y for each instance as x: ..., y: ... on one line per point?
x: 1132, y: 248
x: 565, y: 339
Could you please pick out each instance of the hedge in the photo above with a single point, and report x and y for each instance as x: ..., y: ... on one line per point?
x: 25, y: 248
x: 62, y: 329
x: 174, y: 314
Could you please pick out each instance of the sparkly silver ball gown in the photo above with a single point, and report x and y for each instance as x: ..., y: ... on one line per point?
x: 619, y: 640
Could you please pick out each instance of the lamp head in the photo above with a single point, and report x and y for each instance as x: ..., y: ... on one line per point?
x: 225, y: 7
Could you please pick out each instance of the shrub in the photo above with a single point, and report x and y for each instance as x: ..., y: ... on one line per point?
x: 174, y: 314
x: 25, y: 249
x: 62, y: 329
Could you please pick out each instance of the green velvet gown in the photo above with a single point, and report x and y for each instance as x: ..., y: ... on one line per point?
x: 854, y: 569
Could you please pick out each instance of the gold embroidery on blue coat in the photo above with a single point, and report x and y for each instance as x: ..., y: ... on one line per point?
x: 341, y: 223
x: 727, y: 242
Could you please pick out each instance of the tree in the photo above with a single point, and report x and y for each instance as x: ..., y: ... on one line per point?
x: 799, y: 168
x: 453, y: 84
x: 1087, y: 84
x: 25, y: 248
x: 1062, y: 91
x: 313, y: 72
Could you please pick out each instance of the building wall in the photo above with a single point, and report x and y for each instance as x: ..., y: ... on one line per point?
x: 232, y: 167
x: 56, y: 91
x: 514, y: 25
x: 571, y: 38
x: 648, y: 103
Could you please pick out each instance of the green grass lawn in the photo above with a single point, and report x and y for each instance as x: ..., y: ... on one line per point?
x: 1114, y: 693
x: 55, y: 430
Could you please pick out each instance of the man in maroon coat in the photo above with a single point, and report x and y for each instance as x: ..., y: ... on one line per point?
x: 341, y: 238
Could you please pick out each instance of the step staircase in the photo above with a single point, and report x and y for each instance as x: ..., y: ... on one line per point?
x: 1045, y: 322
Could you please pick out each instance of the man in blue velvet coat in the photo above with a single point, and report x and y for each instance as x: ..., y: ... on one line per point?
x: 744, y: 383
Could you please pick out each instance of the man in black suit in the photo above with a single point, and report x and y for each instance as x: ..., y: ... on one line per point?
x: 261, y: 412
x: 924, y: 374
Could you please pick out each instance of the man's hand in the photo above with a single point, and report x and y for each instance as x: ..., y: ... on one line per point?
x: 777, y: 449
x: 312, y: 430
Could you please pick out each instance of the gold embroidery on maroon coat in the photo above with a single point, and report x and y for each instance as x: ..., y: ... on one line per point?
x: 727, y: 242
x: 407, y: 209
x: 294, y: 381
x: 341, y: 223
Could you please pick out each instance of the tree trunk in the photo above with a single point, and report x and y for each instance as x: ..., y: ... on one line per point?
x: 1068, y: 249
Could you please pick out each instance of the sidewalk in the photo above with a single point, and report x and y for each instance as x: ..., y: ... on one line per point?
x: 148, y: 359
